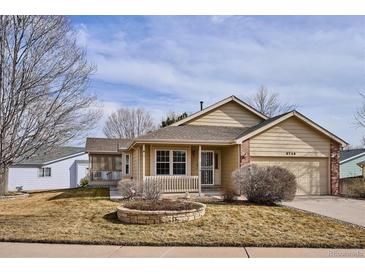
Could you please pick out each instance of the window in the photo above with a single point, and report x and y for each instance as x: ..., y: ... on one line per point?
x: 162, y: 162
x: 179, y: 162
x: 44, y: 172
x: 127, y: 164
x: 170, y: 162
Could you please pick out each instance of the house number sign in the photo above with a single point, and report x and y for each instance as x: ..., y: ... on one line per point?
x: 290, y: 153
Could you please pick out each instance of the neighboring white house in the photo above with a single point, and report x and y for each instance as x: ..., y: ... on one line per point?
x: 61, y: 168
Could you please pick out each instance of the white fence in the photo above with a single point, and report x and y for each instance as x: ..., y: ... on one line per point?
x: 175, y: 184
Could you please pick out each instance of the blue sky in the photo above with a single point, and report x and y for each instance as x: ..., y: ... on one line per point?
x: 170, y: 63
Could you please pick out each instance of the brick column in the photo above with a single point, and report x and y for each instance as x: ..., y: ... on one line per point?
x: 335, y: 167
x: 245, y: 153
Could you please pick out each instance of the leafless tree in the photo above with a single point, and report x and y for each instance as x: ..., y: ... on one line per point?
x: 269, y: 104
x: 128, y: 123
x: 360, y: 115
x: 43, y: 79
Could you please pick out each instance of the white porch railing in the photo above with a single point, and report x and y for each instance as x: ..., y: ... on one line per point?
x: 175, y: 184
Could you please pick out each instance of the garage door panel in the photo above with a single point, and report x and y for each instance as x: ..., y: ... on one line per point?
x: 311, y: 173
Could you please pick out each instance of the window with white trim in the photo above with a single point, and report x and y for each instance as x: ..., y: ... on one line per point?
x: 162, y: 162
x: 179, y: 162
x: 44, y: 172
x: 170, y: 162
x: 127, y: 164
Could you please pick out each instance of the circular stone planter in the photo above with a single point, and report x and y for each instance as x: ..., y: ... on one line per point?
x: 145, y: 217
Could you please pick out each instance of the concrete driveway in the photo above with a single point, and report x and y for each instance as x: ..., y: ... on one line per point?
x: 344, y: 209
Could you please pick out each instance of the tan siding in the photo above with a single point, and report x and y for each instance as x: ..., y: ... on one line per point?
x: 229, y: 162
x: 194, y: 160
x: 147, y: 159
x: 230, y: 114
x: 291, y: 135
x: 311, y: 173
x: 135, y: 164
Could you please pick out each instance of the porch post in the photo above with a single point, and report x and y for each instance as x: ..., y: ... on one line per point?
x: 143, y: 162
x: 199, y: 169
x: 90, y: 174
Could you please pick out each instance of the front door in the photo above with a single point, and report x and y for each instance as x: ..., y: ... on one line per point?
x: 207, y: 168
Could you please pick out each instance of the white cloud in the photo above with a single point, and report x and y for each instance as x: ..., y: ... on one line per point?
x: 171, y: 63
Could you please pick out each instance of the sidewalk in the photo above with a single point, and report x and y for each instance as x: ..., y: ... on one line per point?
x: 33, y: 250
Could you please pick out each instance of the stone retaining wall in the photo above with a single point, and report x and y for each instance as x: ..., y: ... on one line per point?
x: 133, y: 216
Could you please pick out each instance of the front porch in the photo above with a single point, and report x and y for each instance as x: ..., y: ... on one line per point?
x: 186, y: 168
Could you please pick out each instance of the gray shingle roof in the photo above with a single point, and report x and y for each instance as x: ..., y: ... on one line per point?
x: 190, y: 133
x: 44, y: 157
x: 347, y: 154
x: 106, y: 144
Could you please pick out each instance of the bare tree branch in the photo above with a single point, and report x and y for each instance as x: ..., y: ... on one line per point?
x: 128, y: 123
x: 269, y: 104
x: 43, y: 79
x: 360, y: 115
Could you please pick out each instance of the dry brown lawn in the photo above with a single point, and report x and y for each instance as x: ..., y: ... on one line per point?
x: 88, y: 216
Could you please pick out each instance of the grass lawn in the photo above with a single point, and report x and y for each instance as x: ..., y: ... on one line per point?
x: 88, y: 216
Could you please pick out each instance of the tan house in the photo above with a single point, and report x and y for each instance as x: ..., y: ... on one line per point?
x: 200, y: 152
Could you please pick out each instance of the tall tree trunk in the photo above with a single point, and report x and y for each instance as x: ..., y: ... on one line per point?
x: 3, y: 180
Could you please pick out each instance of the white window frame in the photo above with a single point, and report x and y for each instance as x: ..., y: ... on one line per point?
x: 42, y: 173
x: 171, y: 161
x: 161, y: 149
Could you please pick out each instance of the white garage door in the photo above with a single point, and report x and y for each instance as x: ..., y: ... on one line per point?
x: 311, y: 173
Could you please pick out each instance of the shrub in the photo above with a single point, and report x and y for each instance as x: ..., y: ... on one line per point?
x: 152, y: 190
x: 265, y: 185
x: 84, y: 182
x: 129, y: 189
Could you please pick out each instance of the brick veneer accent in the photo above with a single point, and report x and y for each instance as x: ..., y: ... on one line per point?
x: 245, y: 153
x: 335, y: 167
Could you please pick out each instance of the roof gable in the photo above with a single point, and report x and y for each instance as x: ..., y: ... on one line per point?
x: 280, y: 118
x: 234, y: 117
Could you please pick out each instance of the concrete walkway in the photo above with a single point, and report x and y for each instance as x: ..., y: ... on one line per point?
x: 33, y: 250
x: 344, y: 209
x: 114, y: 193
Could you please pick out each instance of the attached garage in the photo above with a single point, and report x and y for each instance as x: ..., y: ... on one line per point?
x: 311, y: 173
x: 299, y: 147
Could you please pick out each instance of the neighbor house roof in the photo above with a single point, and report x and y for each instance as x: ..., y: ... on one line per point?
x: 346, y: 155
x: 282, y: 117
x: 51, y: 156
x: 106, y: 145
x: 218, y: 104
x: 193, y: 134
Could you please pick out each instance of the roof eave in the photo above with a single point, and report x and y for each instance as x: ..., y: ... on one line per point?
x: 64, y: 158
x: 182, y: 142
x: 353, y: 157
